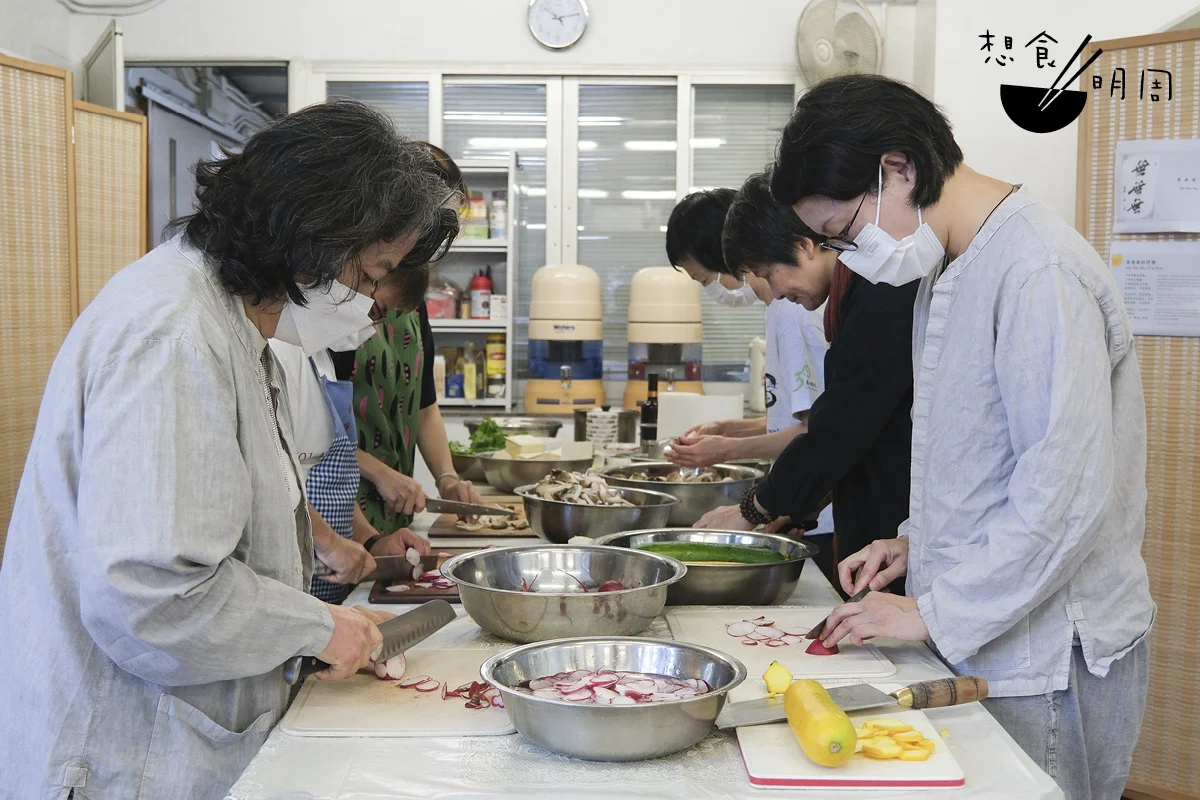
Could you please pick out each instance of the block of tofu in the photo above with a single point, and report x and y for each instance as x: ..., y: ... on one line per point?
x: 572, y: 451
x: 523, y: 446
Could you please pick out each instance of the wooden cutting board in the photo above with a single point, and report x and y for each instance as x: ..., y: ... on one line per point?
x: 774, y: 760
x: 380, y: 592
x: 366, y: 706
x: 446, y: 525
x: 707, y: 627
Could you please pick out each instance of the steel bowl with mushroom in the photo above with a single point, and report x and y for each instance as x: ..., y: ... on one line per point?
x: 613, y: 699
x: 699, y: 490
x: 532, y: 593
x: 566, y: 504
x: 767, y: 576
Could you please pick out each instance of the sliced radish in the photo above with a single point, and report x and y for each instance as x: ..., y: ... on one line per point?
x: 412, y: 556
x: 739, y: 628
x: 399, y: 587
x: 575, y: 697
x: 430, y: 575
x: 775, y: 643
x: 497, y: 702
x: 770, y: 633
x: 381, y: 670
x: 416, y: 573
x: 549, y: 694
x: 541, y: 683
x: 818, y: 648
x: 749, y: 642
x: 442, y: 583
x: 444, y: 693
x: 423, y: 584
x: 755, y: 634
x: 792, y: 631
x: 622, y: 701
x: 393, y: 668
x: 428, y: 686
x: 409, y: 683
x: 789, y: 638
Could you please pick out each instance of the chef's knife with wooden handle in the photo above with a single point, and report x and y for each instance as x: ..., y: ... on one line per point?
x: 820, y: 626
x: 940, y: 693
x: 467, y: 509
x: 399, y: 634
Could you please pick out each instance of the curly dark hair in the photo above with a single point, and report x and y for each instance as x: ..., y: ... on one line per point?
x: 435, y: 243
x: 308, y: 194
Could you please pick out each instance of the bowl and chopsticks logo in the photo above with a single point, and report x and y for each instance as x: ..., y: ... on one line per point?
x: 1040, y: 110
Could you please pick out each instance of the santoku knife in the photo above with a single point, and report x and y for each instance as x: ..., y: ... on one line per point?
x: 940, y: 693
x: 467, y: 509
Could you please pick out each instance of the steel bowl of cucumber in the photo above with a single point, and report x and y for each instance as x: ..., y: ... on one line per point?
x: 741, y: 568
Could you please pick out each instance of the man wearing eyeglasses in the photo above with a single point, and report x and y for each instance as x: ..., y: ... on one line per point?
x: 1022, y: 549
x: 859, y: 432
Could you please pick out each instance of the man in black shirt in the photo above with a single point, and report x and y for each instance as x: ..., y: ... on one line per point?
x: 859, y: 430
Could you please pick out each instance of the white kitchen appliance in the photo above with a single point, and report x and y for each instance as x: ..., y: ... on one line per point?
x: 566, y: 341
x: 665, y: 334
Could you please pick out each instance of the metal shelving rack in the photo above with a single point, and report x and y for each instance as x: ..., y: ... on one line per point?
x: 465, y: 257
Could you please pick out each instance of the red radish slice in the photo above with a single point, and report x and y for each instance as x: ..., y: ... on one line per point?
x: 430, y: 575
x: 444, y: 692
x: 549, y: 694
x: 428, y: 686
x: 399, y: 587
x: 755, y: 634
x: 412, y: 556
x: 770, y: 633
x: 749, y: 642
x: 443, y: 555
x: 381, y: 670
x: 409, y: 683
x: 441, y: 583
x: 791, y: 639
x: 541, y: 683
x: 792, y: 631
x: 739, y: 628
x: 818, y: 648
x: 575, y: 697
x: 423, y: 584
x: 416, y: 573
x: 497, y: 702
x: 622, y: 701
x: 774, y: 643
x: 394, y: 667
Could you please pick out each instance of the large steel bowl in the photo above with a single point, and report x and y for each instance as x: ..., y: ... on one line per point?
x: 728, y: 585
x: 695, y: 499
x: 490, y: 581
x: 513, y: 426
x: 557, y: 521
x: 469, y: 468
x: 506, y: 474
x: 613, y: 733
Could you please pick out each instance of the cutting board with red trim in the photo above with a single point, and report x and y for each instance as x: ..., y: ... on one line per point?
x: 774, y: 760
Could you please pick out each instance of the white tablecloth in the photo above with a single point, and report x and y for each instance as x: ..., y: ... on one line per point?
x: 306, y: 768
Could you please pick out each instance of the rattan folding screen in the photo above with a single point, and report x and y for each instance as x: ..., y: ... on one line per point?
x: 72, y: 189
x: 1165, y: 764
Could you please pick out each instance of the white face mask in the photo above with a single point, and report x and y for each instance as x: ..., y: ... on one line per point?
x: 734, y: 298
x: 334, y: 316
x: 881, y: 259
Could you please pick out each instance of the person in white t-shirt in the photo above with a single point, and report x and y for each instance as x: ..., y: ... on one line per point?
x: 795, y: 340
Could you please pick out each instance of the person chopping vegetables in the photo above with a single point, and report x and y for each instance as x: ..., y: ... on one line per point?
x: 859, y: 433
x: 396, y: 401
x: 1022, y: 548
x: 159, y: 551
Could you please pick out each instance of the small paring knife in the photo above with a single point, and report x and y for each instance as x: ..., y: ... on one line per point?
x: 941, y: 693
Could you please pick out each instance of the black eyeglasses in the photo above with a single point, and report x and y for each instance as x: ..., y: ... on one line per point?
x: 839, y: 243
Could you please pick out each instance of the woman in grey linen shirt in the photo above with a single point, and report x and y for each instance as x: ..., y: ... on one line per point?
x: 1022, y: 549
x: 159, y: 550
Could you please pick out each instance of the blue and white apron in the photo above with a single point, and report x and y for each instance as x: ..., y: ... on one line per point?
x: 333, y: 481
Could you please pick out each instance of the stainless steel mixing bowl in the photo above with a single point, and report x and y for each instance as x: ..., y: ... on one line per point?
x: 512, y: 426
x: 556, y: 521
x: 469, y: 468
x: 506, y: 474
x: 733, y: 585
x: 613, y: 733
x: 695, y: 499
x: 490, y: 581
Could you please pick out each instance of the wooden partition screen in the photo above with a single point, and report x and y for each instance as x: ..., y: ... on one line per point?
x: 38, y: 280
x: 73, y: 189
x: 110, y: 188
x: 1165, y: 764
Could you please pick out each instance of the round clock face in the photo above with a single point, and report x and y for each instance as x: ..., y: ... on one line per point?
x: 558, y: 23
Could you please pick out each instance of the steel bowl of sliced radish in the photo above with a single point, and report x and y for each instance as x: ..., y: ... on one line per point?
x: 613, y: 698
x: 537, y: 592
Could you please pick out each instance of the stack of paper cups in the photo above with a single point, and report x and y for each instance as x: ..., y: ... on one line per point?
x: 602, y: 426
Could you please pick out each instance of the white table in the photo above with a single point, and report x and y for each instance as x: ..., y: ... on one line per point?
x: 306, y: 768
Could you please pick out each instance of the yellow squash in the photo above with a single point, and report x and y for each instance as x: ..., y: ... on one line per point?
x: 824, y: 732
x: 777, y: 678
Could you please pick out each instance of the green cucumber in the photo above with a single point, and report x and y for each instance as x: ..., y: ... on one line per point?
x: 693, y: 552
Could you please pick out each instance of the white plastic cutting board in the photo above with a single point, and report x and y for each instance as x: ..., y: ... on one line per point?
x: 774, y: 760
x: 707, y: 627
x: 366, y: 706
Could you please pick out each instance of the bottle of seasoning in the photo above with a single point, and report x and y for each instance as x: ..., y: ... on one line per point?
x: 650, y: 415
x: 497, y: 364
x: 481, y: 296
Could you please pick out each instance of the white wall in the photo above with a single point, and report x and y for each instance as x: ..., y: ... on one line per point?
x: 968, y: 89
x: 38, y: 30
x: 473, y: 34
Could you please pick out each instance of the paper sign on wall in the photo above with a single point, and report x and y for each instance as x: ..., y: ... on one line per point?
x: 1156, y: 186
x: 1160, y: 283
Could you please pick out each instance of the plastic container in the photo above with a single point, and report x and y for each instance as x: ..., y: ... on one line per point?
x: 496, y: 368
x: 481, y: 296
x: 498, y: 214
